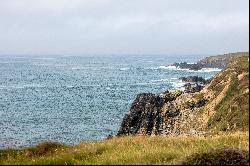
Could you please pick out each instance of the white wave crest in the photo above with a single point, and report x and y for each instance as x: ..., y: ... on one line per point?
x: 178, y: 85
x: 206, y: 70
x: 124, y: 68
x: 46, y: 58
x: 160, y: 80
x: 22, y: 86
x: 76, y: 68
x: 168, y: 68
x: 177, y: 68
x: 209, y: 70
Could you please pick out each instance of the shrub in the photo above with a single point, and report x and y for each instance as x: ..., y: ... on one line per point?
x: 222, y: 156
x: 42, y: 149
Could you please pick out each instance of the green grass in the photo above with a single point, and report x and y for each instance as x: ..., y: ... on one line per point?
x: 124, y: 150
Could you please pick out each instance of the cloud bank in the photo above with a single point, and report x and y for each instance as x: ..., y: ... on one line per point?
x: 123, y: 27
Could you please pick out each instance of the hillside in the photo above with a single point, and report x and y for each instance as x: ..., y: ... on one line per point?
x: 228, y: 94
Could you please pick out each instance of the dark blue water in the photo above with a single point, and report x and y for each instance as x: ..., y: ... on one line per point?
x: 72, y: 98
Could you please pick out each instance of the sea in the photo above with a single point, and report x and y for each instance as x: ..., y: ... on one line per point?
x: 69, y: 99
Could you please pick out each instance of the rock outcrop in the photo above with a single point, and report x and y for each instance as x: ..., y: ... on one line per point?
x: 221, y: 105
x: 193, y: 87
x: 185, y: 65
x: 193, y: 79
x: 157, y: 114
x: 194, y: 83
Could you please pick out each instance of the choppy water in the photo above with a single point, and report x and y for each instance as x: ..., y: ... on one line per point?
x: 72, y: 98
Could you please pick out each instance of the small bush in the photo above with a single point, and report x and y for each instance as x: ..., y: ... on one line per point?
x: 42, y: 149
x: 223, y: 156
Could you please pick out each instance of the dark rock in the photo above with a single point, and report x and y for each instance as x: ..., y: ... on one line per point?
x: 193, y: 79
x: 196, y: 67
x: 193, y: 87
x: 185, y: 65
x: 201, y: 102
x: 145, y: 114
x: 172, y: 113
x: 195, y: 83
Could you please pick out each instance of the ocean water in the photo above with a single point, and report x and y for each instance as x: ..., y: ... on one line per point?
x: 69, y: 99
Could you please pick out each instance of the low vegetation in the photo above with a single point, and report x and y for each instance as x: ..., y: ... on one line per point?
x: 232, y: 112
x: 126, y: 150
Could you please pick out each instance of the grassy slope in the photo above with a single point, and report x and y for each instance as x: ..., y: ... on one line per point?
x: 124, y: 150
x: 232, y: 112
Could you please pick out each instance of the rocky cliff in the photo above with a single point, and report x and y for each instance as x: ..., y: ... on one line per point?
x: 222, y: 105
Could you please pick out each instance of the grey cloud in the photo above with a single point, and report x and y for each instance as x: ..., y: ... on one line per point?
x: 118, y: 26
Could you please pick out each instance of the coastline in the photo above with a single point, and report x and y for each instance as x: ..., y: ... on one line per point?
x: 193, y: 116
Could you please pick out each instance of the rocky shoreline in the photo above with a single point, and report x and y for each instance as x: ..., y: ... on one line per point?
x: 179, y: 112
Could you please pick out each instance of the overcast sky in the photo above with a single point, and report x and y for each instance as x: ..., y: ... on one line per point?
x: 123, y: 26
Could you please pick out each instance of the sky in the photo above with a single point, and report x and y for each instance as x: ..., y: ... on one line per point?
x: 35, y: 27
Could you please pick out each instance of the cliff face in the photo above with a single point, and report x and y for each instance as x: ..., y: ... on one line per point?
x: 155, y: 114
x: 217, y: 107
